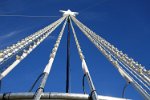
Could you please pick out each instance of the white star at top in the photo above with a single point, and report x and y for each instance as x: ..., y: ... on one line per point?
x: 69, y: 12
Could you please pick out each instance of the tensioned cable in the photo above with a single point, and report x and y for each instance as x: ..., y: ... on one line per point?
x: 124, y: 65
x: 127, y: 67
x: 15, y: 48
x: 97, y: 37
x: 27, y: 52
x: 84, y: 66
x: 146, y: 79
x: 124, y: 73
x: 49, y: 65
x: 115, y: 63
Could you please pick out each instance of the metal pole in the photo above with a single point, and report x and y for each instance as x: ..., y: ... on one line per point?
x: 68, y: 58
x: 53, y: 96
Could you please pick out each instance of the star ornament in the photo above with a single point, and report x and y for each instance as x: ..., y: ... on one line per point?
x: 69, y: 12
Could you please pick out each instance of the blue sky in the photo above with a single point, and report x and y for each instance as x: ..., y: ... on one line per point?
x: 124, y: 23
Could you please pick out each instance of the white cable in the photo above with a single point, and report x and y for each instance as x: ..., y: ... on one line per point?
x: 18, y: 60
x: 84, y: 66
x: 47, y: 69
x: 144, y: 78
x: 127, y: 68
x: 54, y: 51
x: 115, y: 63
x: 12, y: 50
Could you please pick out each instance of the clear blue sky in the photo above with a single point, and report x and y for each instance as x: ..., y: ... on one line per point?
x: 124, y: 23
